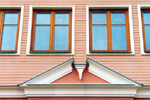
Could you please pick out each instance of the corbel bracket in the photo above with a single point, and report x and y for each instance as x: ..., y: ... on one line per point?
x: 80, y: 68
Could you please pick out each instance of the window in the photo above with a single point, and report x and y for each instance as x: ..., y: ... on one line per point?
x: 51, y: 31
x: 146, y: 30
x: 9, y: 30
x: 109, y: 31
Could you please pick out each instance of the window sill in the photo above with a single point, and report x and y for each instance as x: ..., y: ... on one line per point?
x: 9, y: 53
x: 146, y: 53
x: 50, y: 53
x: 110, y: 53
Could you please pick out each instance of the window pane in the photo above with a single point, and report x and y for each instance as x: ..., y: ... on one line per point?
x: 61, y: 18
x: 61, y: 38
x: 147, y: 36
x: 99, y: 37
x: 42, y: 38
x: 10, y: 18
x: 98, y: 18
x: 43, y: 18
x: 118, y: 18
x: 119, y: 37
x: 146, y: 18
x: 9, y: 38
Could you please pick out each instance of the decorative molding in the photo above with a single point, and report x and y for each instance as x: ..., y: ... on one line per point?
x: 11, y: 92
x: 108, y: 74
x: 80, y: 68
x: 143, y: 92
x: 95, y: 68
x: 52, y: 74
x: 76, y: 90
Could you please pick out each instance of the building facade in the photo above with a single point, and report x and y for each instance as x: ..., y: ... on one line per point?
x: 74, y: 49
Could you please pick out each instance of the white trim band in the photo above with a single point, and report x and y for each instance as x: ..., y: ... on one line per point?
x: 78, y: 90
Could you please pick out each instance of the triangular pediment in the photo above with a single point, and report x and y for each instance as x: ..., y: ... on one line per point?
x: 87, y: 77
x: 66, y: 72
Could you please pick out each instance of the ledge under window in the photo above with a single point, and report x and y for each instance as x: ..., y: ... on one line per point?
x: 110, y: 52
x: 48, y: 52
x: 8, y: 52
x: 146, y: 51
x: 107, y: 53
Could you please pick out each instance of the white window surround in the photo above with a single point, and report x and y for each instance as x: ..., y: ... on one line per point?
x: 21, y: 7
x: 129, y: 7
x: 50, y: 7
x: 140, y: 6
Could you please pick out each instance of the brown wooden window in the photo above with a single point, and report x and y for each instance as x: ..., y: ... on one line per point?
x: 9, y: 30
x: 109, y: 31
x: 146, y: 29
x: 51, y: 31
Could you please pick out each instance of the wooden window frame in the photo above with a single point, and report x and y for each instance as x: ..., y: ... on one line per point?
x: 109, y: 31
x: 143, y: 29
x: 52, y: 31
x: 2, y: 13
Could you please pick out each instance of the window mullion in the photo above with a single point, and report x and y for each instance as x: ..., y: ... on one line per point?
x: 50, y: 36
x: 52, y: 30
x: 109, y: 31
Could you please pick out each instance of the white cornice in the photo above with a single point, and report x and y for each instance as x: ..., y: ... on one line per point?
x: 143, y: 92
x: 76, y: 90
x: 11, y: 92
x: 80, y: 90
